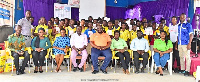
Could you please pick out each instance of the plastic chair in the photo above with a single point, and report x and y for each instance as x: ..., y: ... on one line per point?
x: 77, y: 57
x: 115, y: 58
x: 67, y: 56
x: 198, y: 74
x: 142, y: 59
x: 169, y: 63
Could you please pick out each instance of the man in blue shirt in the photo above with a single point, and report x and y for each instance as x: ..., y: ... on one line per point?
x: 140, y: 46
x: 185, y: 36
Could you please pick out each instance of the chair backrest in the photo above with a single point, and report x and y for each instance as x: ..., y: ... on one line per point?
x: 6, y: 44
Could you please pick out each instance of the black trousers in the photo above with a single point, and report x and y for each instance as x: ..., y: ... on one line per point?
x: 39, y: 56
x: 176, y: 55
x: 136, y: 56
x: 125, y: 61
x: 16, y: 60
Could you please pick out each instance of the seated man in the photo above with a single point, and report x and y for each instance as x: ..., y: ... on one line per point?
x: 17, y: 47
x: 140, y: 46
x: 100, y: 42
x: 78, y: 42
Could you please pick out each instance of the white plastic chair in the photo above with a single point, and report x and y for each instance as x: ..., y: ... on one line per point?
x: 169, y: 63
x: 198, y: 74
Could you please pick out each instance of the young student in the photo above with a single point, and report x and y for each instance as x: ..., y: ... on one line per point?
x: 66, y: 22
x: 32, y: 27
x: 52, y: 19
x: 42, y: 24
x: 71, y: 29
x: 157, y: 32
x: 110, y: 29
x: 56, y: 30
x: 151, y: 38
x: 90, y: 18
x: 83, y: 25
x: 105, y: 25
x: 94, y: 23
x: 50, y: 30
x: 89, y: 32
x: 145, y: 24
x: 116, y: 26
x: 133, y: 32
x: 56, y: 22
x: 124, y: 34
x: 138, y: 23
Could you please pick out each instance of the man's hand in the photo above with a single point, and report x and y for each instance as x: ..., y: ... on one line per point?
x: 142, y: 52
x: 176, y: 48
x: 139, y: 52
x: 122, y: 50
x: 75, y: 48
x: 189, y: 46
x: 103, y: 48
x: 81, y: 49
x: 98, y: 47
x: 20, y: 53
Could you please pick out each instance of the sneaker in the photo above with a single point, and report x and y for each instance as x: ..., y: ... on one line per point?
x: 104, y: 71
x: 182, y: 71
x: 81, y: 69
x: 186, y: 73
x: 176, y: 70
x: 95, y: 71
x: 75, y: 69
x: 137, y: 71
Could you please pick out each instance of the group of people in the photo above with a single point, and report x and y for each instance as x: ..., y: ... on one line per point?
x: 97, y: 37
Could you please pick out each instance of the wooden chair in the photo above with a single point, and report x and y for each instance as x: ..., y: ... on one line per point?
x: 78, y: 57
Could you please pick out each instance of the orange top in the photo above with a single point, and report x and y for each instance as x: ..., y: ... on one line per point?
x: 100, y: 39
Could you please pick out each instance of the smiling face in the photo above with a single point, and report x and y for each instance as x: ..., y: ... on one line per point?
x: 99, y: 29
x: 162, y: 35
x: 41, y: 33
x: 116, y: 35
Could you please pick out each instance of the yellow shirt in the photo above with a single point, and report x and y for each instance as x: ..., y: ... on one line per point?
x: 41, y: 26
x: 110, y: 32
x: 166, y: 29
x: 133, y: 35
x: 118, y: 28
x: 125, y: 35
x: 83, y: 30
x: 70, y: 30
x: 156, y: 33
x: 146, y: 37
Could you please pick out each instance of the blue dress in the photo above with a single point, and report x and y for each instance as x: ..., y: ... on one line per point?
x: 61, y: 42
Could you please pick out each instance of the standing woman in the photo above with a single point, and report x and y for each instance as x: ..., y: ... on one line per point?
x: 60, y: 46
x: 162, y: 48
x: 40, y: 49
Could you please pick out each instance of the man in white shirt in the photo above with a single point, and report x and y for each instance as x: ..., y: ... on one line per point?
x: 140, y: 46
x: 25, y: 23
x: 173, y: 30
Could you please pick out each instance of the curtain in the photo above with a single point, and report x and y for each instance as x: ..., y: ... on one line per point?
x: 115, y: 12
x: 75, y: 13
x: 167, y: 8
x: 39, y: 8
x: 194, y: 21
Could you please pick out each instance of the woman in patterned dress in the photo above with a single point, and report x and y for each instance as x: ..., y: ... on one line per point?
x: 60, y: 47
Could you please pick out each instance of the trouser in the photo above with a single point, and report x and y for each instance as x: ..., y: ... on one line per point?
x: 88, y: 48
x: 28, y: 41
x: 125, y: 61
x: 96, y: 53
x: 160, y: 61
x: 83, y: 60
x: 184, y: 54
x: 39, y: 56
x: 136, y: 57
x: 16, y: 60
x: 176, y: 55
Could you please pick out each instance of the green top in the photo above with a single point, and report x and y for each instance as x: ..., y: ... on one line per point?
x: 16, y: 43
x: 42, y: 43
x: 120, y: 44
x: 161, y: 45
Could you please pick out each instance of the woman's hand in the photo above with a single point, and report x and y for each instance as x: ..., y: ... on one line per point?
x: 38, y: 49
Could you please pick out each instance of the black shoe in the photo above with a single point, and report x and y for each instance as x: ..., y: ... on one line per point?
x: 137, y: 71
x: 17, y: 72
x: 161, y: 74
x: 182, y: 71
x: 75, y: 69
x: 35, y: 71
x: 41, y: 71
x: 186, y: 73
x: 22, y: 71
x: 157, y: 72
x: 95, y: 71
x: 81, y: 69
x: 142, y: 70
x: 104, y: 71
x: 176, y: 70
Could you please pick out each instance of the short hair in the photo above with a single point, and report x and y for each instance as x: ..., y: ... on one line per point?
x: 62, y: 20
x: 41, y: 29
x: 123, y: 23
x: 110, y: 21
x: 32, y: 17
x: 134, y: 25
x: 139, y: 31
x: 52, y: 17
x: 174, y: 17
x: 90, y: 22
x: 183, y: 14
x: 28, y: 10
x: 57, y: 18
x: 62, y: 29
x: 82, y: 19
x: 117, y: 31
